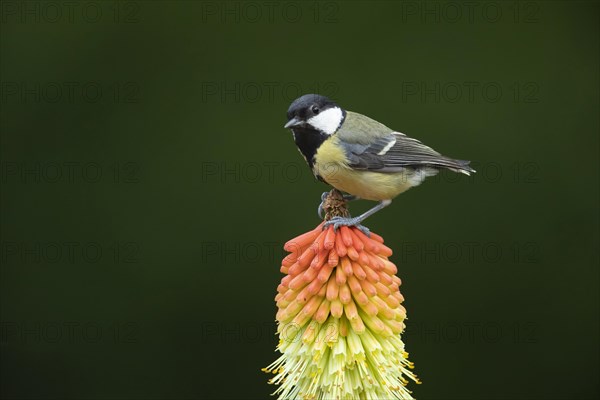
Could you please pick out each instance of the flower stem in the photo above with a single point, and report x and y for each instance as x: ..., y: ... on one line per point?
x: 335, y: 205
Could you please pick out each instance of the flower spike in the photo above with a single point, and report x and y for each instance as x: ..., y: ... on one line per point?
x: 340, y: 318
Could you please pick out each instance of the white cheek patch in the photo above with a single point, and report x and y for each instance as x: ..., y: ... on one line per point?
x: 327, y: 121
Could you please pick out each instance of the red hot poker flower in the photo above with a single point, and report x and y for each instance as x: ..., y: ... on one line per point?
x: 340, y: 318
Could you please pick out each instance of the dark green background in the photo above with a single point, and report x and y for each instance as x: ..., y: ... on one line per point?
x: 500, y: 270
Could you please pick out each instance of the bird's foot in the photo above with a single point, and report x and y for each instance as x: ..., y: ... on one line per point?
x: 320, y: 209
x: 339, y: 221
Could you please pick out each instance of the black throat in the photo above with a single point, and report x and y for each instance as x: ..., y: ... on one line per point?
x: 308, y: 141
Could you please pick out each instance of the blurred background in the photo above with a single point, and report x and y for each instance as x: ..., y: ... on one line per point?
x: 148, y: 187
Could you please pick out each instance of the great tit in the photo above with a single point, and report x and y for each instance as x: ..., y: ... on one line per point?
x: 360, y: 156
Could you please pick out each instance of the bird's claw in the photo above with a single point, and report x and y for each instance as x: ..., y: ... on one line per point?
x: 340, y: 221
x: 320, y: 209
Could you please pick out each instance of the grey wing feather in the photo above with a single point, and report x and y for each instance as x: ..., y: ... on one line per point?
x: 395, y: 151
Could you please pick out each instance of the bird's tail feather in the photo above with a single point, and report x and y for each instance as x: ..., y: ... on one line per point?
x: 441, y: 162
x: 461, y: 166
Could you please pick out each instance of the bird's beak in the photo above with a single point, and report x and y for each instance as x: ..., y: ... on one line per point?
x: 293, y: 122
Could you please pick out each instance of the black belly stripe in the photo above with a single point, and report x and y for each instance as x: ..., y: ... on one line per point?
x: 308, y: 141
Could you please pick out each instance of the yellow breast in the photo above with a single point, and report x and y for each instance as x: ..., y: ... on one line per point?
x: 331, y: 164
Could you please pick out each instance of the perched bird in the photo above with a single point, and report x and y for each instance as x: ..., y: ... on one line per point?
x: 360, y: 156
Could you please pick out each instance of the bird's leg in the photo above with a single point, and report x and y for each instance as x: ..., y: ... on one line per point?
x: 356, y: 221
x: 347, y: 197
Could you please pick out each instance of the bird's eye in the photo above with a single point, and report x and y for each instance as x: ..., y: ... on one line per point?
x: 315, y: 109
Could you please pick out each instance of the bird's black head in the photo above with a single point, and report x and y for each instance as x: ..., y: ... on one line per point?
x: 315, y: 112
x: 313, y: 119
